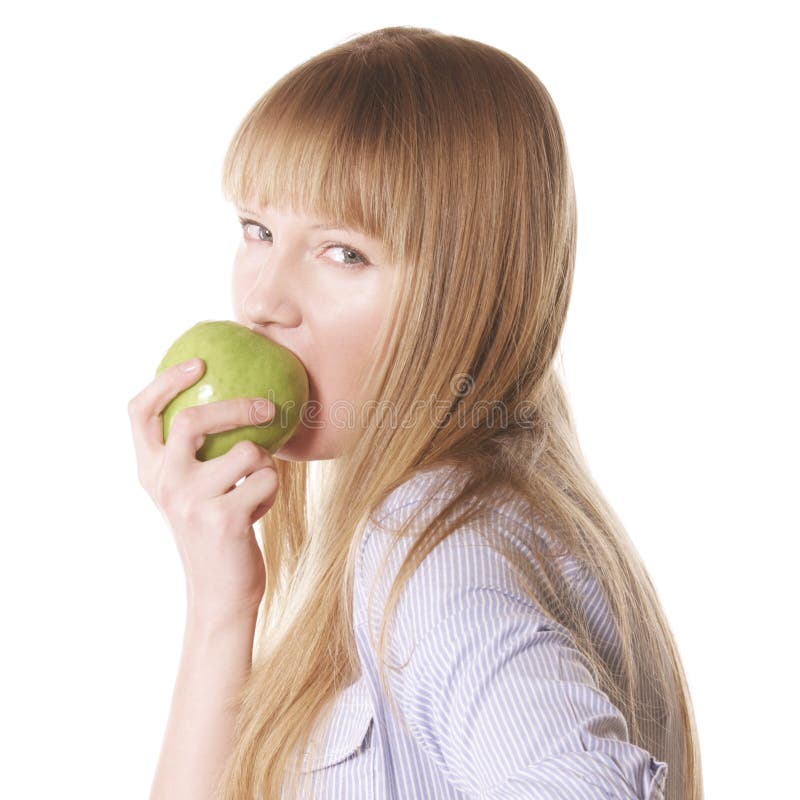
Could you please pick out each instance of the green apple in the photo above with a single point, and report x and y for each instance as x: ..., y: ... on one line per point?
x: 238, y: 363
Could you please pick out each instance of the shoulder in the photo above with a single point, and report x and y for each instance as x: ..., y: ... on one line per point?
x: 411, y: 507
x: 472, y: 559
x: 422, y: 496
x: 431, y: 483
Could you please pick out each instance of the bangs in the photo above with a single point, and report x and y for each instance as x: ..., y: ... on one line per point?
x: 324, y: 141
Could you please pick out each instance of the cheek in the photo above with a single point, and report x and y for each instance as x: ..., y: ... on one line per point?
x: 238, y: 286
x: 348, y: 351
x: 340, y: 360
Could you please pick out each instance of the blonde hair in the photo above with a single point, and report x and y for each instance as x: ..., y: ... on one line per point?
x: 452, y: 154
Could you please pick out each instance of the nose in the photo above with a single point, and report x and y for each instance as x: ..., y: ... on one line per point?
x: 269, y: 298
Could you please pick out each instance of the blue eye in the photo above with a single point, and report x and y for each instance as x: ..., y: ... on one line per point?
x: 350, y: 253
x: 264, y: 235
x: 261, y: 229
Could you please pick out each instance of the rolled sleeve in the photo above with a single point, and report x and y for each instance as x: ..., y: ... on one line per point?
x: 493, y: 691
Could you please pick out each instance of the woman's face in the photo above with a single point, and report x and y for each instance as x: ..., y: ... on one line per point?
x: 322, y: 292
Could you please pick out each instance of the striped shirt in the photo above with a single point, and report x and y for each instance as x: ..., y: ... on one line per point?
x: 494, y: 700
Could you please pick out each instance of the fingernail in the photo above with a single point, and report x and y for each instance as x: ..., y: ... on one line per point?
x: 189, y: 366
x: 263, y: 410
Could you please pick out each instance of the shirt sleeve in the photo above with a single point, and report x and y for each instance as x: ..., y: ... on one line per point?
x: 495, y: 693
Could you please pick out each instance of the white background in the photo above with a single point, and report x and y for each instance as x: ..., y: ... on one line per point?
x: 680, y: 355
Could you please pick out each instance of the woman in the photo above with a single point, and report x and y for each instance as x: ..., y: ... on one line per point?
x: 459, y: 613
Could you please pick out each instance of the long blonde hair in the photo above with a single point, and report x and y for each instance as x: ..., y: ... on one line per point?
x: 451, y: 153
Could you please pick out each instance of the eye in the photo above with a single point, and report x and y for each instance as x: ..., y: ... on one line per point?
x: 256, y: 232
x: 246, y: 224
x: 349, y: 252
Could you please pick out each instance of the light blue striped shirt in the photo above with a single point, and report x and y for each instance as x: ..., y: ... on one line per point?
x: 498, y: 704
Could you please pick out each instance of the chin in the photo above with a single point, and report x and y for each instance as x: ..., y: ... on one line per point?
x: 307, y: 445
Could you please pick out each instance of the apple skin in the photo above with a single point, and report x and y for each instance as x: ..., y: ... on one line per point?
x: 238, y: 363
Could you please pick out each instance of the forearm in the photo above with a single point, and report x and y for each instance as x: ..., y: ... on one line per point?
x: 215, y: 661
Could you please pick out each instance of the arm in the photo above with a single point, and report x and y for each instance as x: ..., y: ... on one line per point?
x: 211, y: 513
x: 498, y: 696
x: 215, y: 660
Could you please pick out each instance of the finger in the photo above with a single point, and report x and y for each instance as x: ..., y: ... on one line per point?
x: 190, y: 426
x: 220, y: 475
x: 254, y: 496
x: 145, y: 408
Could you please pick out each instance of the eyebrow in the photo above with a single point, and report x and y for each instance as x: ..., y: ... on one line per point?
x: 329, y: 225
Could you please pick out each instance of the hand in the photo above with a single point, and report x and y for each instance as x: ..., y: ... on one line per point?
x: 211, y: 518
